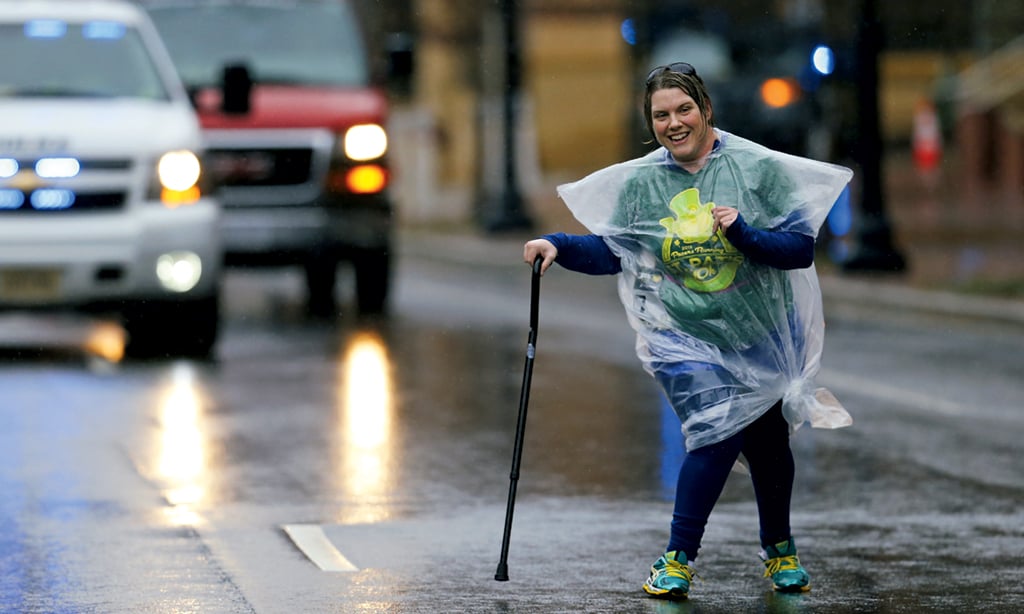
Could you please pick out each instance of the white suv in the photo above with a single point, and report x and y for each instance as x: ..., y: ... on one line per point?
x: 103, y: 204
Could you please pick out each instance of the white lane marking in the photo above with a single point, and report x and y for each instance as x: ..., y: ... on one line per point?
x: 889, y: 393
x: 312, y: 541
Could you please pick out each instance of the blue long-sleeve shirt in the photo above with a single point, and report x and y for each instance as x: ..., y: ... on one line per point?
x: 780, y: 249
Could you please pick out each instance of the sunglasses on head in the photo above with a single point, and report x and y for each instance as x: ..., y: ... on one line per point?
x: 679, y: 67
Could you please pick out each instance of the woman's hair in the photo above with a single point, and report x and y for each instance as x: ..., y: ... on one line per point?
x: 691, y: 84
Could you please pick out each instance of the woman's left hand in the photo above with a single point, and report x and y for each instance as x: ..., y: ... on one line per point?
x: 724, y: 217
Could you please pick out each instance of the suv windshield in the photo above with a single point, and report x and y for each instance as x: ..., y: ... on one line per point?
x: 294, y: 43
x: 103, y: 59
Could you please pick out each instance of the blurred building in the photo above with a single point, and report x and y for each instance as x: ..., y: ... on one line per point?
x: 579, y: 100
x: 990, y: 124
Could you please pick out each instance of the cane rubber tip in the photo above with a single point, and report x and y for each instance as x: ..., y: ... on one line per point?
x: 501, y: 575
x: 500, y: 578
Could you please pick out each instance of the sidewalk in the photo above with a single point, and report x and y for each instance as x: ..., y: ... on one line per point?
x: 956, y: 236
x: 965, y: 250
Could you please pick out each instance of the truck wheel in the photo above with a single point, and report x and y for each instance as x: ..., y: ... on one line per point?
x: 179, y: 329
x: 320, y: 278
x: 373, y: 280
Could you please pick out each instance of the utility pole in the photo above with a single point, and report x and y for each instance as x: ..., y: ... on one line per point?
x: 875, y: 250
x: 511, y: 214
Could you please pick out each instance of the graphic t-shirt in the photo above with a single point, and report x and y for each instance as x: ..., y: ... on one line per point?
x: 704, y: 283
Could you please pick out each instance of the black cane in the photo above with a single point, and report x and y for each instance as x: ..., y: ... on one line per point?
x: 501, y: 574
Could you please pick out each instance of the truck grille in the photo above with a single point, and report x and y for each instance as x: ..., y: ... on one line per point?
x: 260, y: 167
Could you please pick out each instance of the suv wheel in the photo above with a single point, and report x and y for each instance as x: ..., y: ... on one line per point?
x: 165, y: 329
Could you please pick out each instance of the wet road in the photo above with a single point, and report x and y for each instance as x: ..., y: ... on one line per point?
x: 362, y: 466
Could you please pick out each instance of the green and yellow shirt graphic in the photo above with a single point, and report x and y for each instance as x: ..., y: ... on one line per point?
x: 709, y: 289
x: 694, y: 253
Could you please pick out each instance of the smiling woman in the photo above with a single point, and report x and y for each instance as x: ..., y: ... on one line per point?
x: 712, y: 239
x: 682, y: 127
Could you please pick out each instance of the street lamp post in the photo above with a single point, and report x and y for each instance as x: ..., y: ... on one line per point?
x: 510, y: 214
x: 874, y: 250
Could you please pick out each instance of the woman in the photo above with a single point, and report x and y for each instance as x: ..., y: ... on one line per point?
x: 712, y: 237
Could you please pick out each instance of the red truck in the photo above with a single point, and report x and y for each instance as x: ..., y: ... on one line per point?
x: 295, y: 132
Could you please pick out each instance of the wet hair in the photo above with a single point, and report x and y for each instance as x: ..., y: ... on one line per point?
x: 692, y: 85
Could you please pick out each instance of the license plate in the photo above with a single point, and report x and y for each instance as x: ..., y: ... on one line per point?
x: 29, y: 284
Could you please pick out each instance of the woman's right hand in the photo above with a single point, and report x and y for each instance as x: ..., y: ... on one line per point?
x: 540, y: 247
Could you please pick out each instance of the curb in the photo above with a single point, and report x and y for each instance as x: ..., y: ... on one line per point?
x: 888, y: 295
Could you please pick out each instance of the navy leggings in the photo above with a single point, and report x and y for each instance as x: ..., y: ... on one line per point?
x: 765, y: 444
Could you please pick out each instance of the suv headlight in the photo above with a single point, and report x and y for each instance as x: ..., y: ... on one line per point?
x: 178, y: 173
x: 365, y: 142
x: 179, y: 271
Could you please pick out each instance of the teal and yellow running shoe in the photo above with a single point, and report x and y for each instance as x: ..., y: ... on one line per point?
x: 670, y: 576
x: 783, y: 566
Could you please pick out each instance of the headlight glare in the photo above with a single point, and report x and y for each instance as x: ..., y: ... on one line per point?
x: 178, y: 174
x: 179, y: 271
x: 365, y: 142
x: 178, y: 170
x: 58, y: 168
x: 8, y: 167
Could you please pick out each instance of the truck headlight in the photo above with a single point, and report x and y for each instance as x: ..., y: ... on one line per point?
x: 365, y: 142
x: 178, y: 173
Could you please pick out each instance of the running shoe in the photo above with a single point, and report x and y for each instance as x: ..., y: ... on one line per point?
x: 783, y: 566
x: 670, y: 576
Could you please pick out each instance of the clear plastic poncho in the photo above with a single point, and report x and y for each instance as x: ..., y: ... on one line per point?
x: 725, y: 337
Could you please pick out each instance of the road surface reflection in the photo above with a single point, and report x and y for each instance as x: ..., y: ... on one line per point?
x: 182, y: 460
x: 366, y: 439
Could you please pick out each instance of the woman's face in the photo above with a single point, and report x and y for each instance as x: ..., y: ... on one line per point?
x: 679, y: 126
